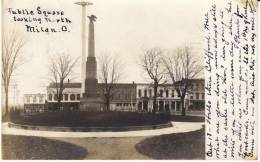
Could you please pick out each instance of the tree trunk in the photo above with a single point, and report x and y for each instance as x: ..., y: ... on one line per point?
x: 183, y: 108
x: 6, y: 103
x: 107, y: 102
x: 155, y: 99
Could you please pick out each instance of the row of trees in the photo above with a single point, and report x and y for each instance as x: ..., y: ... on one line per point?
x: 177, y: 67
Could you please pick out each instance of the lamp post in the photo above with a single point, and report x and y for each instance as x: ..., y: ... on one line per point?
x: 83, y: 4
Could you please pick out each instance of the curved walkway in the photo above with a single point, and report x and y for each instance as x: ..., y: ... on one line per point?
x: 178, y: 127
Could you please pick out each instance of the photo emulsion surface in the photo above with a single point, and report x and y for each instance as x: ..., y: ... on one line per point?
x: 129, y: 80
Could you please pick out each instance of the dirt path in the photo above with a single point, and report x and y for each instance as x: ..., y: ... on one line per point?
x: 108, y: 148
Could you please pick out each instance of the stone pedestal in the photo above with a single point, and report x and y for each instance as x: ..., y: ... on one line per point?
x: 90, y: 104
x: 91, y: 100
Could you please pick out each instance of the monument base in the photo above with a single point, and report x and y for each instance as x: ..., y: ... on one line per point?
x: 90, y: 104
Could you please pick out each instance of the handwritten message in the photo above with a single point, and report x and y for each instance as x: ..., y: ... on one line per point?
x: 230, y: 84
x: 40, y: 20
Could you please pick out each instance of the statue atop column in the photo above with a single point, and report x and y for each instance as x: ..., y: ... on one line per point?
x: 92, y: 18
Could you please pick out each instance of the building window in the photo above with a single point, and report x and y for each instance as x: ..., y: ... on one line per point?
x: 50, y: 97
x: 66, y: 97
x: 179, y: 93
x: 203, y: 96
x: 55, y: 97
x: 191, y: 86
x: 112, y: 96
x: 191, y: 97
x: 172, y: 93
x: 150, y: 93
x: 72, y: 97
x: 161, y: 93
x: 78, y: 96
x: 167, y: 93
x: 41, y: 99
x: 197, y: 96
x: 139, y: 93
x: 28, y: 99
x: 197, y: 86
x: 34, y: 99
x: 145, y: 93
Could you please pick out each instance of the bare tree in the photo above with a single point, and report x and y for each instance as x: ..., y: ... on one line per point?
x: 152, y: 64
x: 60, y: 68
x: 12, y: 59
x: 110, y: 74
x: 182, y: 66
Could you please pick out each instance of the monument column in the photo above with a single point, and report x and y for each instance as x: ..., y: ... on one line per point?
x: 91, y: 99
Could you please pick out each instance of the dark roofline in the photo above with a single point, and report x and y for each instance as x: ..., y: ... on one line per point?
x: 67, y: 85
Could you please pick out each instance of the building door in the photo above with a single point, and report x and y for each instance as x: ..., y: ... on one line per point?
x: 145, y: 105
x: 139, y: 106
x: 167, y: 107
x: 173, y: 106
x: 178, y: 105
x: 161, y: 108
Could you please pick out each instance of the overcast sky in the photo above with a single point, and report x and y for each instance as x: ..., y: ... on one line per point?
x: 123, y: 27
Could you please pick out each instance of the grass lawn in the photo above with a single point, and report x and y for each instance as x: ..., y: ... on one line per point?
x: 90, y: 119
x: 180, y: 118
x: 189, y: 145
x: 23, y: 147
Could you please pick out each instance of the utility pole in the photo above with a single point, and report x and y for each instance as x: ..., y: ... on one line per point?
x: 83, y: 4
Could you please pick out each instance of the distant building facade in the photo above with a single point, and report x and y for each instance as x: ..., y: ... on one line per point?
x: 125, y: 97
x: 168, y: 99
x: 133, y: 97
x: 34, y: 103
x: 70, y: 99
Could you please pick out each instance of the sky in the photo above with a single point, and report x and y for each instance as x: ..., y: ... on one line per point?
x: 124, y: 28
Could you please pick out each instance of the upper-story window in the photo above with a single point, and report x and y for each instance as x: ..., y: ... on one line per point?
x: 167, y: 93
x: 197, y: 86
x: 203, y: 96
x: 145, y: 93
x: 139, y: 93
x: 72, y: 97
x: 191, y: 96
x: 41, y: 99
x: 161, y: 93
x: 34, y: 99
x: 50, y: 96
x: 197, y: 95
x: 55, y: 97
x: 191, y: 87
x: 150, y: 93
x: 179, y: 93
x: 172, y: 93
x: 66, y: 97
x: 78, y: 96
x: 28, y: 99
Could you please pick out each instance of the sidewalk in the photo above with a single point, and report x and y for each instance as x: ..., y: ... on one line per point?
x: 178, y: 127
